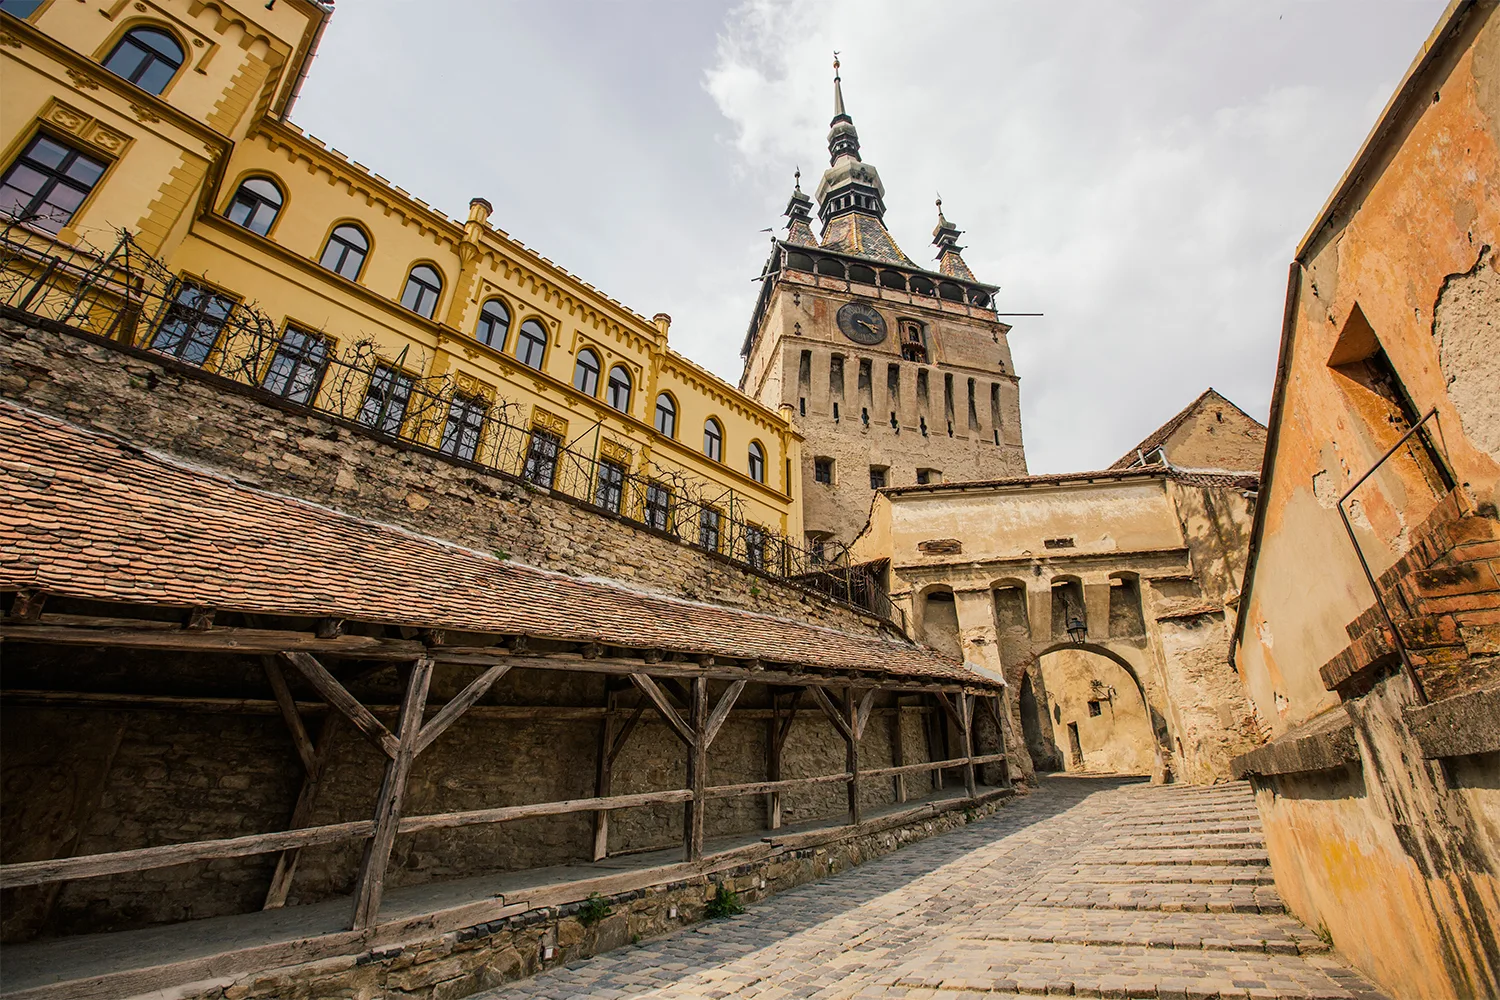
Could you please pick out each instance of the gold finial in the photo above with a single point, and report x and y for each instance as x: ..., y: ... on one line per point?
x: 835, y: 64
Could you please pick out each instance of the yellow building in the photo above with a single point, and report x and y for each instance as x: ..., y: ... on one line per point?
x: 292, y: 267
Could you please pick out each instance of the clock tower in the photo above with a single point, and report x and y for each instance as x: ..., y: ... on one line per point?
x: 895, y: 373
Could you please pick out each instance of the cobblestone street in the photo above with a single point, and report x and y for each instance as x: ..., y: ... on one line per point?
x: 1087, y: 887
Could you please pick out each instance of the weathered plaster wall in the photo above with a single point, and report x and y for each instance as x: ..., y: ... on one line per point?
x: 1388, y: 844
x: 1217, y: 436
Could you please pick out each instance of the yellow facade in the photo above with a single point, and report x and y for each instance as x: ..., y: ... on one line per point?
x: 175, y: 161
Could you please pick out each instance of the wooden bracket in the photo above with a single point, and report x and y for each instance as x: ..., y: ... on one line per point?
x: 721, y: 711
x: 329, y: 628
x: 461, y: 703
x: 834, y: 712
x: 862, y: 713
x: 200, y: 620
x: 348, y: 706
x: 27, y: 605
x: 664, y: 707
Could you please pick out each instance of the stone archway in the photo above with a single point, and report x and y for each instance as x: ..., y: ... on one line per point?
x: 1103, y: 721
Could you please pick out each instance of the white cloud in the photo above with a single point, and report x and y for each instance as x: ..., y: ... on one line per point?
x: 1140, y: 172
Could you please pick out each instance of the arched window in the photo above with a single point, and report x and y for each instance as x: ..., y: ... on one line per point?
x: 757, y: 462
x: 619, y: 388
x: 255, y: 205
x: 531, y: 344
x: 147, y: 57
x: 666, y: 415
x: 494, y: 324
x: 345, y: 253
x: 586, y: 373
x: 713, y: 440
x: 423, y: 286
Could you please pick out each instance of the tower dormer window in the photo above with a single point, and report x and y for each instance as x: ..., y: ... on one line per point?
x: 913, y: 341
x: 147, y: 57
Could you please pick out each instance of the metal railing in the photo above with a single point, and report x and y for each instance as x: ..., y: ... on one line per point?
x: 127, y: 295
x: 1443, y: 471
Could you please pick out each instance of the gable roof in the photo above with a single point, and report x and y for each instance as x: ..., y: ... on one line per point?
x: 1159, y: 437
x: 91, y: 517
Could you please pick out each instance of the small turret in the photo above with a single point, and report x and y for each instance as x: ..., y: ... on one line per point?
x: 799, y: 215
x: 945, y: 237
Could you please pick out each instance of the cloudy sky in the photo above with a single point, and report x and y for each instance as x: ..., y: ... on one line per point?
x: 1139, y: 172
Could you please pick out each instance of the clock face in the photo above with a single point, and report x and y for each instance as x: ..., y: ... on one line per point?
x: 861, y: 323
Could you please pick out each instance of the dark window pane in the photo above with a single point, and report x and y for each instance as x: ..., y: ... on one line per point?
x: 297, y: 368
x: 666, y: 415
x: 192, y: 324
x: 422, y: 289
x: 155, y: 77
x: 147, y: 58
x: 610, y: 486
x: 713, y: 440
x: 586, y: 373
x: 47, y: 183
x: 384, y: 406
x: 20, y: 8
x: 345, y: 253
x: 708, y: 528
x: 531, y: 344
x: 619, y: 388
x: 541, y: 459
x: 255, y: 205
x: 658, y: 506
x: 758, y: 463
x: 494, y: 323
x: 461, y: 433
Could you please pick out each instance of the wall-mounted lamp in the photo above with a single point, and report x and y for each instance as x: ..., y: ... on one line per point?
x: 1077, y: 630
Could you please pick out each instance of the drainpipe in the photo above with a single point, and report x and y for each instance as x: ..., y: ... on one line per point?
x: 312, y: 49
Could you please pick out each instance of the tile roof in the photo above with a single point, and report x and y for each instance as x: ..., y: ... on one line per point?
x: 85, y: 515
x: 863, y: 236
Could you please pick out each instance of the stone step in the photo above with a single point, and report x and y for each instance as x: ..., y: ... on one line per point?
x: 1188, y: 841
x: 1030, y: 968
x: 1275, y: 935
x: 1168, y: 897
x: 1164, y: 830
x: 1108, y: 874
x: 1129, y: 855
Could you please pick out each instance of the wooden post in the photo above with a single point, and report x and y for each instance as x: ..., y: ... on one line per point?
x: 966, y: 725
x: 851, y: 754
x: 697, y: 771
x: 603, y: 772
x: 898, y: 751
x: 370, y: 885
x: 776, y: 742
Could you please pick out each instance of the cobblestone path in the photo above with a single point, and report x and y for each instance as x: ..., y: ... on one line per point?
x: 1088, y: 887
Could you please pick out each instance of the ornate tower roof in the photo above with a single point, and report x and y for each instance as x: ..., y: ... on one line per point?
x: 851, y: 198
x: 945, y: 237
x: 799, y: 216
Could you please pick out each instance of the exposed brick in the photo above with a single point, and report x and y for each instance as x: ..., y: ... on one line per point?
x: 1464, y: 578
x: 1460, y: 602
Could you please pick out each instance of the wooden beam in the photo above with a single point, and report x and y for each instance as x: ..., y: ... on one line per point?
x: 302, y: 813
x: 697, y: 772
x: 721, y: 711
x: 26, y: 606
x: 668, y: 713
x: 862, y: 715
x: 461, y: 703
x: 338, y: 696
x: 851, y: 754
x: 369, y: 885
x: 758, y: 787
x: 506, y: 814
x: 625, y: 731
x: 215, y: 640
x: 145, y: 858
x: 898, y: 751
x: 966, y: 728
x: 776, y: 734
x: 603, y: 775
x: 834, y: 713
x: 289, y: 713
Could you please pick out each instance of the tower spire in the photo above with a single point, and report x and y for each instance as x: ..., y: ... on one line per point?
x: 843, y: 140
x: 838, y: 91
